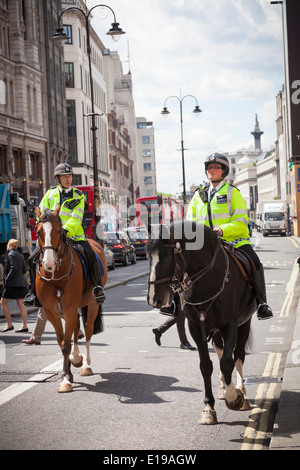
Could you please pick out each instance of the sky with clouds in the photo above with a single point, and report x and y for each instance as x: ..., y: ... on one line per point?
x: 227, y: 54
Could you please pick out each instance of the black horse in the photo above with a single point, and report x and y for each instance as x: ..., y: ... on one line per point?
x: 188, y: 260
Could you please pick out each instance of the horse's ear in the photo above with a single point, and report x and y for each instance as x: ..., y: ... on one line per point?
x: 56, y: 211
x: 37, y: 211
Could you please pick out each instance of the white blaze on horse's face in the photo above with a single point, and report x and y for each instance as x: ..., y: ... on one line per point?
x: 48, y: 259
x: 151, y: 292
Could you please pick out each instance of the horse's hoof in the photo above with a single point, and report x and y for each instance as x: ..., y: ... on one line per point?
x: 246, y: 405
x: 76, y: 364
x: 65, y: 386
x: 237, y: 403
x: 85, y: 371
x: 64, y: 378
x: 221, y: 394
x: 208, y: 417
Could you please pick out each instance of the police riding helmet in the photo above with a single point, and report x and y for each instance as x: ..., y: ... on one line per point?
x: 218, y: 158
x: 63, y: 169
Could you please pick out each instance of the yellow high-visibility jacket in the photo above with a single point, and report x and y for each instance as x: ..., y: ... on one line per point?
x: 226, y: 210
x: 71, y: 210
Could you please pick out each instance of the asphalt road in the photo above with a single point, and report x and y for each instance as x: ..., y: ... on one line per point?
x: 141, y: 396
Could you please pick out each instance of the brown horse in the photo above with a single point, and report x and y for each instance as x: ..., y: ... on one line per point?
x: 61, y: 289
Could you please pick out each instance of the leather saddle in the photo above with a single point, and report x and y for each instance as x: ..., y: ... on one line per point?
x: 83, y: 258
x: 243, y: 261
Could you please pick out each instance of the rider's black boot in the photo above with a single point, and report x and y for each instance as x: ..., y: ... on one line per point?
x: 172, y: 309
x: 95, y: 272
x: 264, y: 312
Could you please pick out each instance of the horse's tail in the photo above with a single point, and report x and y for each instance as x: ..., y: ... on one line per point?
x: 98, y: 323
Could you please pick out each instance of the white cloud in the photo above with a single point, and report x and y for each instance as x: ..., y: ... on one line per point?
x: 228, y: 54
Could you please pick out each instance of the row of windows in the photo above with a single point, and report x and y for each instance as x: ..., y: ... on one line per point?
x: 148, y: 179
x: 7, y: 98
x: 117, y: 142
x: 124, y: 169
x: 147, y: 153
x: 87, y: 141
x: 33, y: 161
x: 99, y: 95
x: 96, y: 58
x: 4, y: 50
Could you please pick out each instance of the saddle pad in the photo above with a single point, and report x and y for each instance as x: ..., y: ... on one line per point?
x: 244, y: 262
x: 82, y: 258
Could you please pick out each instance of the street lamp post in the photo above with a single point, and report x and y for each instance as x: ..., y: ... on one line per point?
x: 165, y: 112
x: 115, y: 32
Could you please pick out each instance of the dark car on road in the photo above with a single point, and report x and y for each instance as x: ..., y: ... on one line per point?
x: 109, y: 256
x: 139, y: 239
x: 121, y: 246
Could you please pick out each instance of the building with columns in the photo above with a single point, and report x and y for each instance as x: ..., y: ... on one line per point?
x: 121, y: 126
x: 78, y: 97
x: 33, y: 131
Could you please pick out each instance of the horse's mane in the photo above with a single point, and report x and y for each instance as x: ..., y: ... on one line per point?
x: 156, y: 241
x: 179, y: 231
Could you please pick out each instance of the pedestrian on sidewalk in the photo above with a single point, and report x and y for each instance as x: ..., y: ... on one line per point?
x: 179, y: 320
x: 14, y: 286
x: 39, y: 329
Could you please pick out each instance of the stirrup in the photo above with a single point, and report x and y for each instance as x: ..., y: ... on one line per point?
x: 30, y: 300
x: 99, y: 294
x: 264, y: 312
x: 171, y: 310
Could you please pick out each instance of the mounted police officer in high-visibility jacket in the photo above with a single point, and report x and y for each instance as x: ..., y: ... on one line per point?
x: 221, y: 206
x: 71, y: 202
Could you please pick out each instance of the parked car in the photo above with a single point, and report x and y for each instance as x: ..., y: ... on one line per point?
x: 110, y: 260
x: 121, y: 246
x: 139, y: 239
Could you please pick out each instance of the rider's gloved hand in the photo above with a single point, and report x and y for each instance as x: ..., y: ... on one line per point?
x: 219, y: 231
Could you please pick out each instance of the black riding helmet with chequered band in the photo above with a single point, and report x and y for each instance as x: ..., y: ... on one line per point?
x: 218, y: 158
x: 63, y: 169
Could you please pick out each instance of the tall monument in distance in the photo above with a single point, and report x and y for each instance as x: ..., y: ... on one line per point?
x: 257, y: 134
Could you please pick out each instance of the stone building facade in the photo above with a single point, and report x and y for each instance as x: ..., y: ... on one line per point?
x: 33, y: 132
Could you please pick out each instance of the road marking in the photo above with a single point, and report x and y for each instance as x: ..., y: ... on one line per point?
x: 294, y: 241
x: 290, y: 289
x: 257, y: 430
x: 20, y: 387
x: 262, y: 432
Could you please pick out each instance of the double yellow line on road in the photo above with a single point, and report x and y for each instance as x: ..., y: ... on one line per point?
x: 257, y: 433
x: 257, y: 430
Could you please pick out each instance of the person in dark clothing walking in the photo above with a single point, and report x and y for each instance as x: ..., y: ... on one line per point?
x: 14, y: 286
x: 179, y: 320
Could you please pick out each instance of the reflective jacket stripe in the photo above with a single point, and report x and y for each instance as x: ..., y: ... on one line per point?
x: 71, y: 218
x: 228, y: 210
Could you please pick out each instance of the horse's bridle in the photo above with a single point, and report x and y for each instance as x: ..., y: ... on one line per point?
x: 178, y: 286
x: 57, y: 260
x: 182, y: 286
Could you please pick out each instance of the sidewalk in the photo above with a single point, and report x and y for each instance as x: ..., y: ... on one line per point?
x: 286, y: 431
x: 109, y: 285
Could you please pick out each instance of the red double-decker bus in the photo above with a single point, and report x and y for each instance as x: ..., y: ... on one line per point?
x: 109, y: 209
x: 158, y: 210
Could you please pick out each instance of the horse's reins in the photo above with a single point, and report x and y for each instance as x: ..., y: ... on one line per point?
x: 180, y: 287
x: 57, y: 261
